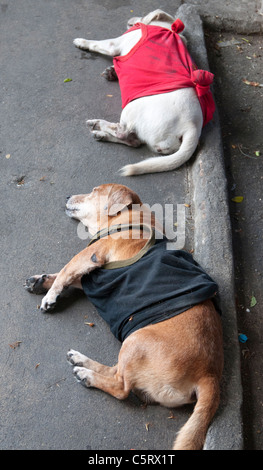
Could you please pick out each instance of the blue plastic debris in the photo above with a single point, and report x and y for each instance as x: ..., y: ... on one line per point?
x: 242, y: 338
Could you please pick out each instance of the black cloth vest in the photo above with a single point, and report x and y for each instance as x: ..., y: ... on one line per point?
x: 161, y: 284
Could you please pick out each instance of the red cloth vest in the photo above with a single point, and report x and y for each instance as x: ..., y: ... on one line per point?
x: 160, y: 63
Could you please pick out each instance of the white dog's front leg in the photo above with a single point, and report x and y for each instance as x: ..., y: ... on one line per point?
x: 109, y: 47
x: 112, y: 47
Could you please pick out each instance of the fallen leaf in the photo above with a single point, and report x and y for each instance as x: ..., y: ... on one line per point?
x: 248, y: 82
x: 89, y: 324
x: 246, y: 353
x: 253, y: 301
x: 147, y: 426
x: 67, y: 80
x: 8, y: 156
x: 42, y: 178
x: 237, y: 199
x: 15, y: 345
x: 171, y: 416
x: 257, y: 153
x: 20, y: 181
x: 246, y: 40
x: 110, y: 96
x: 246, y: 109
x: 37, y: 365
x: 232, y: 42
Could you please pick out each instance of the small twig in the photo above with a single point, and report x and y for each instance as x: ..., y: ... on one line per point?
x: 249, y: 156
x: 56, y: 383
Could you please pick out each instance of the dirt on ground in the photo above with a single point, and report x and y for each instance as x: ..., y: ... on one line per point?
x: 237, y: 62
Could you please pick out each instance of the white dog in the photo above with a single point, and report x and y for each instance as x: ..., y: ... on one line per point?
x: 165, y: 116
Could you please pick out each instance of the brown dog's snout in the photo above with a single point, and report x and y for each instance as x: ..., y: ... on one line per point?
x: 68, y: 197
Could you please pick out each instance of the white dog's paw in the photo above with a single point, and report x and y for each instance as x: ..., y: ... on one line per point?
x: 97, y: 128
x: 94, y: 124
x: 48, y: 302
x: 84, y: 376
x: 110, y: 74
x: 76, y: 358
x: 99, y: 135
x: 81, y: 43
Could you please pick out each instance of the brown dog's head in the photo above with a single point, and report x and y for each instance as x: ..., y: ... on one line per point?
x: 97, y: 209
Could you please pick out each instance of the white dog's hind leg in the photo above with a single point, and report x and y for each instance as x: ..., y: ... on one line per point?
x: 112, y: 132
x: 167, y: 163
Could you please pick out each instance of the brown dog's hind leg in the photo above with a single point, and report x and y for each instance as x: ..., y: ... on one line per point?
x: 77, y: 359
x: 113, y: 385
x: 93, y: 374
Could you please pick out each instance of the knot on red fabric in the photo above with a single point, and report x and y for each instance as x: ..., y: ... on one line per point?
x: 177, y: 26
x: 202, y: 81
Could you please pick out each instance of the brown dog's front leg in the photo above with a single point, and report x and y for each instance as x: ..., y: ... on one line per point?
x: 87, y: 260
x: 40, y: 283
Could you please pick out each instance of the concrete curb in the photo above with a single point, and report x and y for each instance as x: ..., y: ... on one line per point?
x: 213, y: 249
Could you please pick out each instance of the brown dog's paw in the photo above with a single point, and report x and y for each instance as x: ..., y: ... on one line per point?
x: 36, y: 284
x: 84, y: 376
x: 76, y: 358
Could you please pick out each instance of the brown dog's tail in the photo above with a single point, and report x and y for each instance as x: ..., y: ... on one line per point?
x: 192, y: 435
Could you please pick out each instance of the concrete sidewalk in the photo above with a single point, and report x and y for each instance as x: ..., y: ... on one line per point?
x: 47, y: 154
x: 239, y: 16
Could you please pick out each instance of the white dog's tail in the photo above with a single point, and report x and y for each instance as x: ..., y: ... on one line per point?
x: 169, y: 162
x: 192, y: 435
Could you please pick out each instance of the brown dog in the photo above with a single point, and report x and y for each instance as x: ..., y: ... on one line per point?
x: 175, y: 360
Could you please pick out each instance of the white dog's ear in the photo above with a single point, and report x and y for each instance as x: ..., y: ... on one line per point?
x: 120, y: 199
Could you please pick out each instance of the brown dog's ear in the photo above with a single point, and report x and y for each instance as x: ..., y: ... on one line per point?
x: 121, y: 198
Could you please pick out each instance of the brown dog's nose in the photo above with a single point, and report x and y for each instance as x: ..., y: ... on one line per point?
x: 68, y: 197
